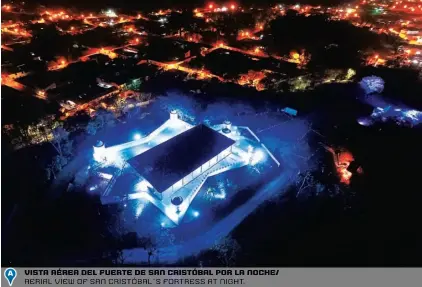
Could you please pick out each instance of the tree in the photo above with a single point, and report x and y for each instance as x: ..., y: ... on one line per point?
x: 63, y: 146
x: 91, y: 128
x: 181, y: 21
x: 118, y: 230
x: 301, y: 83
x: 151, y: 246
x: 350, y: 74
x: 16, y: 134
x: 61, y: 142
x: 42, y: 131
x: 134, y: 85
x: 210, y: 193
x: 120, y: 104
x: 227, y: 250
x: 143, y: 97
x: 372, y: 84
x: 332, y: 75
x: 102, y: 119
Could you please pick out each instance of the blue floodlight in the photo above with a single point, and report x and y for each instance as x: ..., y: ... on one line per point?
x: 137, y: 136
x: 163, y: 224
x: 195, y: 213
x: 221, y: 195
x: 257, y: 157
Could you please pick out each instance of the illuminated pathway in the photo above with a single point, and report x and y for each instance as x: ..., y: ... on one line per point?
x: 11, y: 83
x: 177, y: 66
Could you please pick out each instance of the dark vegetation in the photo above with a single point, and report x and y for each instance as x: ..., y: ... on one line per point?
x: 332, y: 44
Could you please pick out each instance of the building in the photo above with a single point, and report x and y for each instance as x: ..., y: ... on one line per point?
x: 179, y: 160
x: 173, y: 162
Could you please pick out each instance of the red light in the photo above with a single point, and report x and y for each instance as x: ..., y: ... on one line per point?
x: 232, y: 7
x: 210, y: 6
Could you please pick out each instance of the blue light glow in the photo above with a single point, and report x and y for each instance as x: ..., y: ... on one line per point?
x: 137, y: 136
x: 142, y: 186
x: 400, y: 115
x: 221, y: 195
x: 105, y: 175
x: 195, y: 213
x: 139, y: 208
x: 163, y: 224
x: 257, y: 156
x: 372, y: 84
x: 364, y: 122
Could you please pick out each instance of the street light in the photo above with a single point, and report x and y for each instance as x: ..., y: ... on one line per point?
x: 137, y: 136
